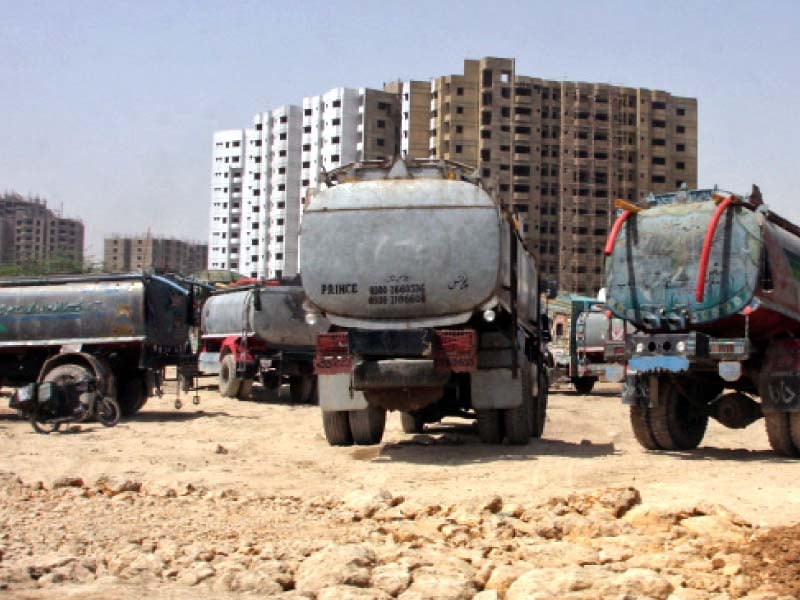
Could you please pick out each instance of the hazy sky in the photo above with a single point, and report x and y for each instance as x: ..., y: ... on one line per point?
x: 108, y: 108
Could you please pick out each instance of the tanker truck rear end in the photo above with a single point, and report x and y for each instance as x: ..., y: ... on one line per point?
x: 258, y: 331
x: 711, y: 280
x: 120, y: 331
x: 433, y: 300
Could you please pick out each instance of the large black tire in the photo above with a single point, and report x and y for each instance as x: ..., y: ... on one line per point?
x: 107, y: 411
x: 412, y: 422
x: 245, y: 387
x: 584, y: 385
x: 336, y: 424
x: 490, y: 426
x: 519, y: 421
x: 794, y: 425
x: 780, y: 430
x: 228, y: 381
x: 131, y: 395
x: 302, y: 388
x: 367, y: 425
x: 642, y: 428
x: 42, y: 427
x: 677, y: 423
x: 540, y: 406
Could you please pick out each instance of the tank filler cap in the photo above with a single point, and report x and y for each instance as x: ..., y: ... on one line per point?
x: 399, y: 170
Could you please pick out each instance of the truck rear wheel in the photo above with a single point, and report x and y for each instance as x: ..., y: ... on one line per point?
x: 131, y: 395
x: 412, y: 422
x: 367, y: 425
x: 245, y: 387
x: 301, y: 388
x: 228, y: 381
x: 490, y: 425
x: 781, y: 428
x: 336, y: 425
x: 584, y: 385
x: 540, y: 406
x: 642, y: 428
x: 677, y: 423
x: 520, y: 421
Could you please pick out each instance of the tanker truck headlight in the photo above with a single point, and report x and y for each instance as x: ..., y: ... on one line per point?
x: 680, y: 346
x: 311, y: 318
x: 489, y: 315
x: 639, y: 348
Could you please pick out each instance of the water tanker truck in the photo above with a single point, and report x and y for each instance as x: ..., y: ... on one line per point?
x: 711, y: 280
x: 433, y: 301
x: 259, y: 331
x: 119, y: 331
x: 588, y: 344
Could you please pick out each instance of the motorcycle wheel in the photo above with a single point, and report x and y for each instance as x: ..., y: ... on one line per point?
x: 106, y: 410
x: 43, y: 426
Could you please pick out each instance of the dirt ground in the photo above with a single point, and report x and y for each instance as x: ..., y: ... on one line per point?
x: 273, y: 452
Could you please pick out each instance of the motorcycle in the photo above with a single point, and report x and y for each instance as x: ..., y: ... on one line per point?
x: 49, y: 405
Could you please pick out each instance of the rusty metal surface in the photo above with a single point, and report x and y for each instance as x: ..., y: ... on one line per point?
x: 280, y: 322
x: 652, y: 272
x: 409, y: 252
x: 92, y: 311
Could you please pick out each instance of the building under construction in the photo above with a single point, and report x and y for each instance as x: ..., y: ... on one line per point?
x: 124, y: 254
x: 31, y: 233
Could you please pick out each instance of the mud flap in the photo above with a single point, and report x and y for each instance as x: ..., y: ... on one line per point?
x: 335, y: 393
x: 494, y: 388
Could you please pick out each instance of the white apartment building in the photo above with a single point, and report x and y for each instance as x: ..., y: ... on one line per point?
x: 226, y: 199
x: 255, y: 222
x: 255, y: 197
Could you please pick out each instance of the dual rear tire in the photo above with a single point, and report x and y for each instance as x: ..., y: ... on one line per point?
x: 347, y: 427
x: 518, y: 425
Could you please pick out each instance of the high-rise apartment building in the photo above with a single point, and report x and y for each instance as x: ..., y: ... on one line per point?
x: 558, y: 154
x: 125, y: 254
x: 260, y: 176
x: 555, y: 153
x: 32, y: 233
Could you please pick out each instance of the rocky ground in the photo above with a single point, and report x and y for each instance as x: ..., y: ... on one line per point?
x: 230, y: 498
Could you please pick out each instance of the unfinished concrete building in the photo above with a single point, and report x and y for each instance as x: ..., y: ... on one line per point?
x: 125, y: 254
x: 32, y: 233
x: 559, y: 153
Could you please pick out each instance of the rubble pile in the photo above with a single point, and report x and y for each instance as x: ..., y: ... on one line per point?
x: 373, y: 545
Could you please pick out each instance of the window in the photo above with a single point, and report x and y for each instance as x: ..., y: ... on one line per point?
x: 284, y: 119
x: 306, y: 147
x: 336, y: 121
x: 307, y: 129
x: 335, y: 158
x: 383, y: 106
x: 680, y: 112
x: 336, y: 103
x: 659, y: 142
x: 680, y: 129
x: 680, y: 147
x: 459, y: 149
x: 306, y: 164
x: 459, y: 110
x: 658, y: 160
x: 680, y: 166
x: 282, y: 153
x: 335, y: 139
x: 660, y: 105
x: 281, y: 187
x: 307, y: 112
x: 658, y: 179
x: 459, y: 129
x: 282, y: 136
x: 381, y: 124
x: 279, y: 256
x: 379, y: 142
x: 659, y: 123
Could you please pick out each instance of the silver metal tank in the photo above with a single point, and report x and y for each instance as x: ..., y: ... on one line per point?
x: 93, y: 310
x: 280, y: 320
x: 407, y: 248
